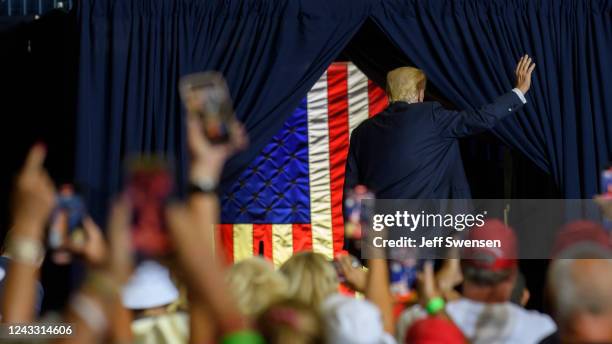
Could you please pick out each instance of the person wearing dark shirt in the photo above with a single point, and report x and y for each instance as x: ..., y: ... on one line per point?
x: 411, y: 149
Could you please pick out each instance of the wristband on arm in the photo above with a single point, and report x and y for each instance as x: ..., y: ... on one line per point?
x: 435, y: 305
x: 203, y: 186
x: 243, y: 337
x: 25, y: 251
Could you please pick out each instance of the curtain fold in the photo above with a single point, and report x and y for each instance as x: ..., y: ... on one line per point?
x: 469, y: 48
x: 132, y: 53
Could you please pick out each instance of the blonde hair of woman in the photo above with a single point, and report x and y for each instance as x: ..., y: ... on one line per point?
x: 255, y: 285
x: 312, y: 278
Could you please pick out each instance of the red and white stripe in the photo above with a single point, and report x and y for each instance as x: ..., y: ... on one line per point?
x: 341, y: 99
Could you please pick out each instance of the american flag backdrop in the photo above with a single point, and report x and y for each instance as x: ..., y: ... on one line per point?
x: 290, y: 198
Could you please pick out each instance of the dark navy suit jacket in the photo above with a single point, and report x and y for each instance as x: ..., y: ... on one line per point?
x: 411, y: 151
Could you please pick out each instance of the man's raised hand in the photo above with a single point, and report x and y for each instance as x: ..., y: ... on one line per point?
x: 523, y: 71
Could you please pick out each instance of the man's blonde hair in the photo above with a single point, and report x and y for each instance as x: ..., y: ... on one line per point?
x: 312, y: 278
x: 256, y: 285
x: 405, y: 84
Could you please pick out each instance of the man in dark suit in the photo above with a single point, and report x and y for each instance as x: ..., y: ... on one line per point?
x: 411, y: 151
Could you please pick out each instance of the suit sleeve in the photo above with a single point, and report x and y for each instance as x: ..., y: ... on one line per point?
x: 455, y: 124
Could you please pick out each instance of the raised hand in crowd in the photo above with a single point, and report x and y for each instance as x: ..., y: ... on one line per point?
x: 33, y: 196
x: 437, y: 326
x: 96, y: 309
x: 379, y: 293
x: 204, y: 276
x: 33, y: 200
x: 206, y: 166
x: 427, y: 286
x: 355, y: 276
x: 374, y: 283
x: 193, y: 231
x: 449, y: 276
x: 208, y: 159
x: 93, y: 249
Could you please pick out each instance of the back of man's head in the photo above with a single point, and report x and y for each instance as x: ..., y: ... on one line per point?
x: 490, y: 272
x: 580, y: 292
x: 406, y: 84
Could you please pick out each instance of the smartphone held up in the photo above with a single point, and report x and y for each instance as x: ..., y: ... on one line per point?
x: 149, y: 187
x: 206, y: 96
x: 356, y: 215
x: 66, y: 226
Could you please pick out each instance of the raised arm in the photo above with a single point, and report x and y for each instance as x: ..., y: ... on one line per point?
x: 33, y: 201
x: 212, y: 311
x: 463, y: 123
x: 96, y: 310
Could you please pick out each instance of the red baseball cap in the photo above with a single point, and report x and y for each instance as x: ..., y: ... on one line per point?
x: 581, y: 231
x: 434, y: 330
x: 492, y: 258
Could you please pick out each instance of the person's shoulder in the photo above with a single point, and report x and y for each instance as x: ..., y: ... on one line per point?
x: 531, y: 314
x: 431, y: 104
x: 534, y: 321
x: 429, y: 110
x: 435, y: 106
x: 461, y: 307
x: 464, y: 302
x: 363, y: 125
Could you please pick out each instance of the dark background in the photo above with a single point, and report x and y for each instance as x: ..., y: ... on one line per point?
x: 37, y: 91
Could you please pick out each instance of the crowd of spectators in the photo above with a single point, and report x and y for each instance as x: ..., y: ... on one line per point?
x: 196, y: 297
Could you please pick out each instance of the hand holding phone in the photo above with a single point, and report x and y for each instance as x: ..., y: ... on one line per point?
x: 206, y: 96
x: 213, y: 132
x: 149, y: 187
x: 353, y: 210
x: 66, y: 227
x: 403, y: 270
x: 351, y: 272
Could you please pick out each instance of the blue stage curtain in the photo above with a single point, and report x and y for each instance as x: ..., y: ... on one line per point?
x: 132, y: 53
x: 469, y: 48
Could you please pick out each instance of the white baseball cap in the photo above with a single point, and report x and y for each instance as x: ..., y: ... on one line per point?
x: 353, y: 321
x: 150, y: 286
